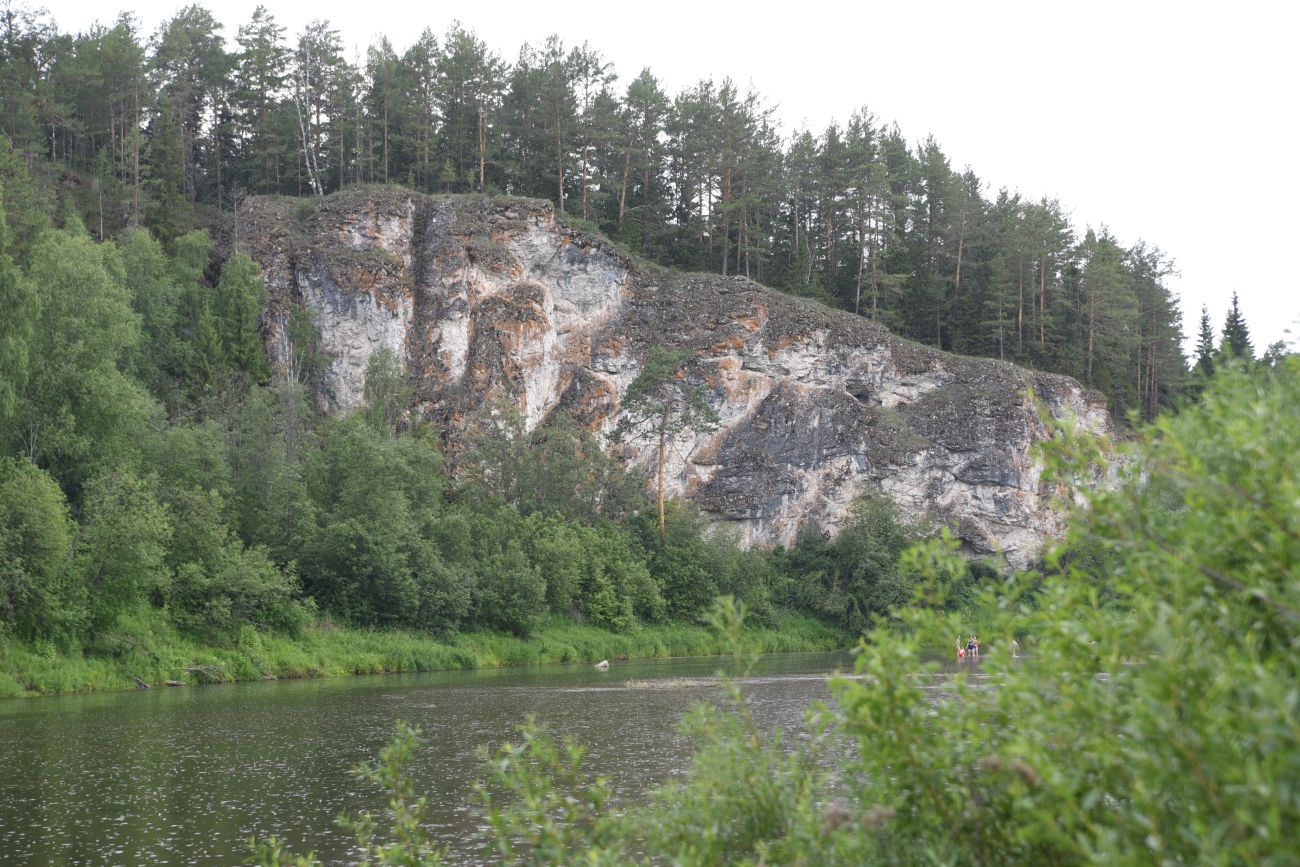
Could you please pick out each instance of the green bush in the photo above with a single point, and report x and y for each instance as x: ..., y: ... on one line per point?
x: 38, y: 599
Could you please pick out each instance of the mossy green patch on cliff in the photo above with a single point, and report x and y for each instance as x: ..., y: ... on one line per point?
x: 149, y: 649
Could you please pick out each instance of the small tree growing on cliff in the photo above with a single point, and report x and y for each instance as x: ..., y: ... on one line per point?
x: 387, y: 391
x: 660, y: 403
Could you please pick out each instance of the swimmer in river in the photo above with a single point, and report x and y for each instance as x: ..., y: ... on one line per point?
x: 961, y: 651
x: 973, y: 648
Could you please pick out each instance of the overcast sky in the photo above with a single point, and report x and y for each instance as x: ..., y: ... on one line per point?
x: 1176, y: 123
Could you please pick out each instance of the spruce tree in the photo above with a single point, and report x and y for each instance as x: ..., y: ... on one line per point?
x: 1205, y: 345
x: 241, y: 296
x: 1236, y: 336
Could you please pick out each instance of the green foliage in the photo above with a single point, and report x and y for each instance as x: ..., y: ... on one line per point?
x: 557, y: 467
x: 691, y: 570
x: 1151, y: 719
x: 510, y: 592
x: 748, y: 798
x: 387, y: 391
x: 19, y: 299
x: 1205, y: 345
x: 121, y: 547
x: 167, y: 212
x: 77, y: 411
x: 857, y: 578
x: 156, y: 298
x: 219, y: 585
x: 541, y: 808
x: 306, y: 362
x: 411, y: 845
x: 146, y: 643
x: 268, y: 438
x: 181, y: 127
x: 377, y: 499
x: 241, y: 298
x: 1236, y: 335
x: 36, y: 599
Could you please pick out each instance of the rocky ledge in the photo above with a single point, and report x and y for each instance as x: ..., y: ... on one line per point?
x: 497, y: 299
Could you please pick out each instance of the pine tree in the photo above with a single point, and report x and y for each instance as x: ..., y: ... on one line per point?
x: 660, y: 403
x: 470, y: 81
x: 258, y: 102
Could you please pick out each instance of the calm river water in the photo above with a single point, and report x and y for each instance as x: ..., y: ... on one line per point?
x: 186, y: 776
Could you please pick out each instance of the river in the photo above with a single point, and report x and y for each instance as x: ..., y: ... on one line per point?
x: 187, y: 775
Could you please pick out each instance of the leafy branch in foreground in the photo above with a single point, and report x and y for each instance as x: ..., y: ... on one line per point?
x: 409, y: 844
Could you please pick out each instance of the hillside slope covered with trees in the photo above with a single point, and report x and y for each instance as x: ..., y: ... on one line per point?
x: 172, y: 129
x: 161, y: 488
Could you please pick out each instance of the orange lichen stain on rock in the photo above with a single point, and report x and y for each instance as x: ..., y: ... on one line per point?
x: 755, y: 320
x: 728, y: 363
x: 730, y: 343
x: 784, y: 342
x: 392, y: 298
x: 515, y: 333
x: 612, y: 346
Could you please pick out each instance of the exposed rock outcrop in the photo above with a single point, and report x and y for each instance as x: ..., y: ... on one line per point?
x: 490, y: 298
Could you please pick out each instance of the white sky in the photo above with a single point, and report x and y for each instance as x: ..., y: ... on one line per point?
x: 1176, y: 123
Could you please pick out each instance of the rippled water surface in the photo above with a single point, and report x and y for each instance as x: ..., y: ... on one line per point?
x: 187, y: 775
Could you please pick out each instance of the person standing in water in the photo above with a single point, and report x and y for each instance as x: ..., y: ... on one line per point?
x: 973, y: 647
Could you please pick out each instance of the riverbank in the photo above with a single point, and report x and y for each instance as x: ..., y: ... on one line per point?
x: 148, y: 650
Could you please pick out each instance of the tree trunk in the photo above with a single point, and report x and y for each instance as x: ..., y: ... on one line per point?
x: 1092, y: 332
x: 112, y: 138
x: 216, y: 147
x: 135, y: 160
x: 1137, y: 371
x: 1020, y: 304
x: 622, y: 190
x: 482, y: 145
x: 875, y: 270
x: 1042, y: 302
x: 1002, y: 350
x: 663, y: 423
x: 726, y: 218
x: 862, y: 252
x: 961, y: 243
x: 584, y: 175
x: 559, y: 160
x: 308, y: 161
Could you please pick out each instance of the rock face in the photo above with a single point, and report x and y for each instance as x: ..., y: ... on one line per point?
x: 486, y: 299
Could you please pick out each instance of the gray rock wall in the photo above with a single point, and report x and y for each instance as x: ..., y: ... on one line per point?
x: 496, y: 299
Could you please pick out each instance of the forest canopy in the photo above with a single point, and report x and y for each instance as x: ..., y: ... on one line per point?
x: 173, y: 129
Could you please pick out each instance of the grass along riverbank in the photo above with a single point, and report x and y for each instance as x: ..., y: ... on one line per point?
x: 146, y: 648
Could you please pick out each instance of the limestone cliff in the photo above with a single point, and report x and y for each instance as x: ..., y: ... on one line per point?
x: 493, y: 298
